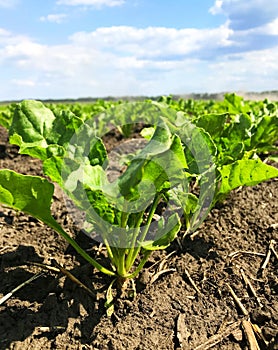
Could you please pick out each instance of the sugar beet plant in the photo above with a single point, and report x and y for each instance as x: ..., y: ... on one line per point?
x: 145, y: 207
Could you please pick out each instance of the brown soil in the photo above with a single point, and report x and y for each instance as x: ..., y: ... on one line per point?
x: 182, y: 309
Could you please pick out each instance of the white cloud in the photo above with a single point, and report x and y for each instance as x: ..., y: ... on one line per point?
x: 251, y: 71
x: 23, y: 50
x: 151, y: 42
x: 131, y: 61
x: 272, y: 27
x: 56, y: 18
x: 96, y: 3
x: 216, y: 8
x: 15, y: 45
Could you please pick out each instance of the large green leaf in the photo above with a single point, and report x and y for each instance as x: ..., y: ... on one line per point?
x: 199, y: 147
x: 37, y: 131
x: 30, y: 128
x: 31, y: 194
x: 166, y: 170
x: 212, y: 123
x: 246, y: 172
x: 160, y: 163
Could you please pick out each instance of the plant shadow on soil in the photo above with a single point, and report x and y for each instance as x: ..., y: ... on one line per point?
x: 54, y: 313
x: 51, y: 301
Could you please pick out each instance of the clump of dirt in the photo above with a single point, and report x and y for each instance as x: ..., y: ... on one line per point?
x: 184, y: 298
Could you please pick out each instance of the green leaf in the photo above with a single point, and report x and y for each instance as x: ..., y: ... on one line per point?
x: 265, y: 133
x: 238, y: 129
x: 52, y: 167
x: 6, y: 115
x: 98, y: 153
x: 64, y: 126
x: 247, y: 172
x: 30, y: 128
x: 37, y: 131
x: 85, y: 146
x: 31, y: 194
x: 199, y: 148
x: 187, y: 201
x: 158, y: 166
x: 212, y: 123
x: 34, y: 121
x: 167, y: 169
x: 236, y: 104
x: 102, y: 207
x: 159, y: 143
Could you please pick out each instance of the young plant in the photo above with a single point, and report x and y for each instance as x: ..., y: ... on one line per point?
x: 213, y: 153
x: 121, y: 213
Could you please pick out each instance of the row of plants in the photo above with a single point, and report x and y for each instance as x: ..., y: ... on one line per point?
x: 196, y: 153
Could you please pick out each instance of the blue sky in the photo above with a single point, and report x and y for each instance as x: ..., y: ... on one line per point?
x: 81, y: 48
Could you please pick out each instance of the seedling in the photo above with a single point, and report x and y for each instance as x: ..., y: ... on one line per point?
x: 216, y: 151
